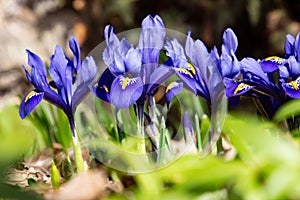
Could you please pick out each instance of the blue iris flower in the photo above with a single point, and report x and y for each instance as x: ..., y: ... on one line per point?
x: 230, y: 68
x: 195, y: 67
x: 132, y: 73
x: 290, y: 77
x: 64, y: 73
x: 227, y: 62
x: 289, y: 71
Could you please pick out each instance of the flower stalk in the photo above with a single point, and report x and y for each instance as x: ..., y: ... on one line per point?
x: 79, y: 162
x: 140, y: 128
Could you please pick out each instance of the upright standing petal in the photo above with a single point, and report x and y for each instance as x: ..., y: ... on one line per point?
x: 230, y: 41
x: 294, y: 67
x: 88, y: 70
x: 289, y: 45
x: 86, y: 73
x: 152, y: 38
x: 28, y: 76
x: 189, y: 45
x: 35, y: 62
x: 61, y: 73
x: 200, y: 58
x: 74, y: 46
x: 229, y: 66
x: 150, y: 44
x: 133, y: 62
x: 297, y: 46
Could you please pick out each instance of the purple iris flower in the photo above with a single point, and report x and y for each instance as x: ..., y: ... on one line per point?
x: 64, y: 73
x: 258, y: 83
x: 290, y: 77
x: 195, y: 67
x: 289, y: 71
x: 132, y: 73
x: 247, y: 77
x: 227, y: 62
x: 229, y: 67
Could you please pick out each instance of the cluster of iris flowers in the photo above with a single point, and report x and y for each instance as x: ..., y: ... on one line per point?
x: 134, y: 73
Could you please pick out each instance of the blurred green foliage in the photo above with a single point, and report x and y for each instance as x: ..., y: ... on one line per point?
x: 18, y: 137
x: 267, y: 166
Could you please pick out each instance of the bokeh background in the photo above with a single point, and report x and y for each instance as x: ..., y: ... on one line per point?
x: 261, y: 26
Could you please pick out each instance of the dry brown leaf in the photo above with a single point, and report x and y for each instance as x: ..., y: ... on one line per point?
x: 88, y: 186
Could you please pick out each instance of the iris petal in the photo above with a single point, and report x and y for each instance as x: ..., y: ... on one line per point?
x: 86, y: 74
x: 294, y: 67
x: 297, y: 46
x: 88, y: 70
x: 125, y: 91
x: 152, y: 38
x: 103, y: 86
x: 28, y: 76
x: 35, y: 62
x: 61, y: 73
x: 133, y: 62
x: 229, y: 66
x: 271, y: 64
x: 292, y: 88
x: 29, y: 102
x: 189, y: 45
x: 115, y: 51
x: 230, y: 41
x: 236, y: 88
x: 172, y: 90
x: 200, y: 58
x: 289, y: 45
x: 74, y: 46
x: 253, y: 71
x: 187, y: 77
x: 159, y: 75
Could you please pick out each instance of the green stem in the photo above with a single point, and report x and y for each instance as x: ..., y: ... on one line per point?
x: 162, y: 143
x: 198, y: 134
x: 76, y: 146
x: 140, y: 129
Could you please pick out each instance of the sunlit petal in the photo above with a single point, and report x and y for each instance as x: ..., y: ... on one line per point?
x: 29, y: 102
x: 125, y: 91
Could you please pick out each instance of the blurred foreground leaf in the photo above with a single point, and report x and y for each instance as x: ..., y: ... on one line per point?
x: 289, y: 109
x: 17, y: 137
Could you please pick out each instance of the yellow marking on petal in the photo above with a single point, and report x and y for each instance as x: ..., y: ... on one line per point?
x: 125, y: 82
x: 294, y: 84
x: 106, y: 89
x: 274, y: 59
x: 29, y: 95
x: 181, y: 69
x: 239, y: 87
x: 170, y: 86
x: 192, y: 68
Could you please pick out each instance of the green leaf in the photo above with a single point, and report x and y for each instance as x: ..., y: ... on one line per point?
x: 55, y: 176
x: 289, y: 109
